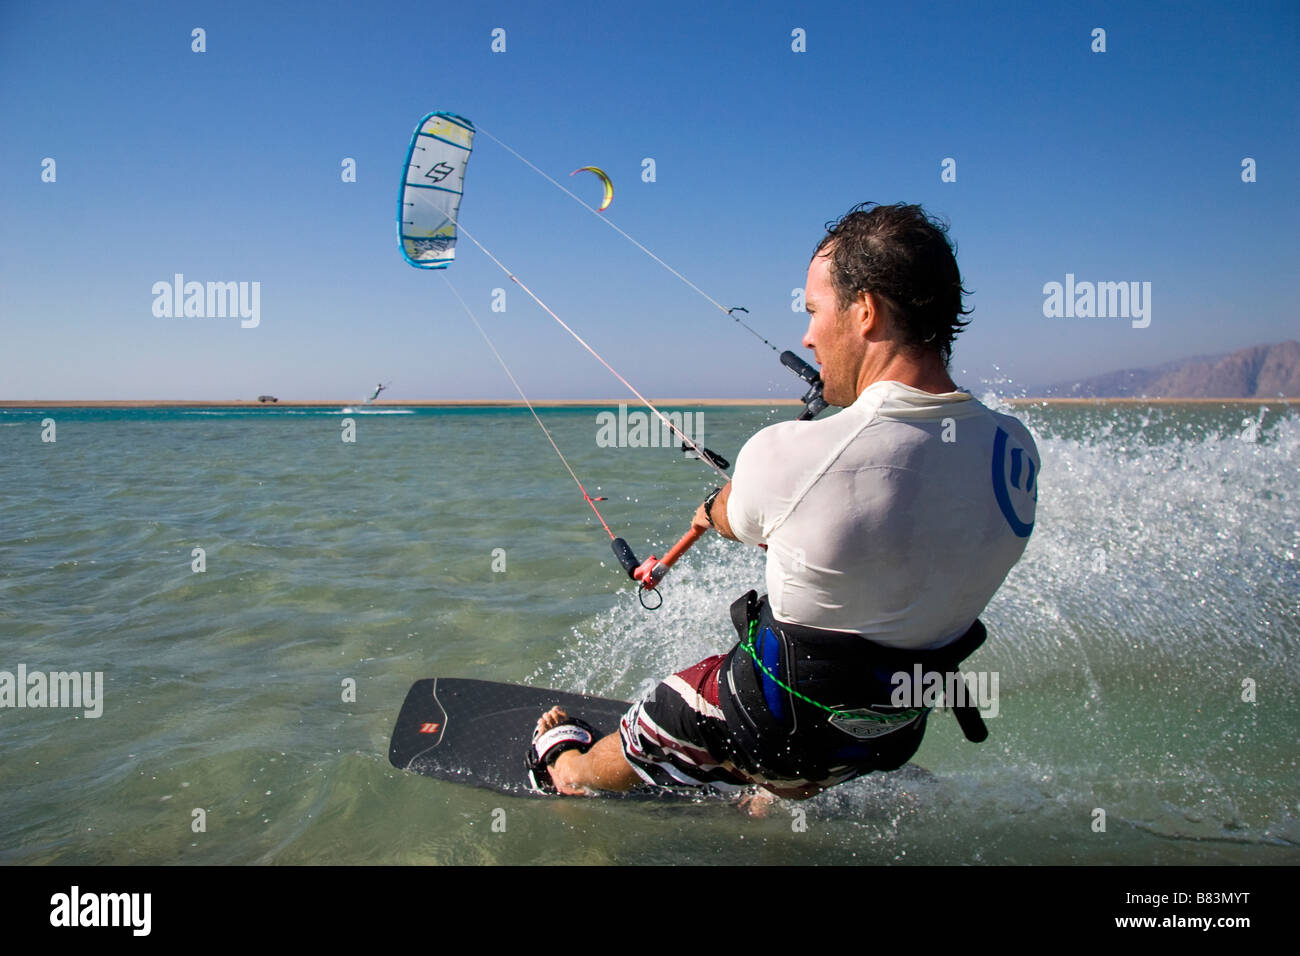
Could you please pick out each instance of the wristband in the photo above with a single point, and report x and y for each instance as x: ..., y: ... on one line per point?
x: 708, y: 506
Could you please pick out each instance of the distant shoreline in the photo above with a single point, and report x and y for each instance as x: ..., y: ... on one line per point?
x: 583, y: 403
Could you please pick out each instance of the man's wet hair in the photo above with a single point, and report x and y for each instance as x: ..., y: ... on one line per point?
x: 903, y: 255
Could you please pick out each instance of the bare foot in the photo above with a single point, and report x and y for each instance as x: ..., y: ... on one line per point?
x: 548, y: 721
x: 757, y: 803
x: 552, y: 718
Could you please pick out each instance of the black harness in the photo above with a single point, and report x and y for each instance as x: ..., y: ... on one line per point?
x: 804, y: 703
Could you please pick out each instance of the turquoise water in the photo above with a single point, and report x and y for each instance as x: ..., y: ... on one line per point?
x: 1162, y: 574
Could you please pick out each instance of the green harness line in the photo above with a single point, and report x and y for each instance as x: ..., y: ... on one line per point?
x: 748, y: 645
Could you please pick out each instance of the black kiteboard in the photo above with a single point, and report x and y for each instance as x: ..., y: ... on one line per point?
x: 478, y: 732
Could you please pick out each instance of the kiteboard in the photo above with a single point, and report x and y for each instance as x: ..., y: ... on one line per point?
x: 478, y: 732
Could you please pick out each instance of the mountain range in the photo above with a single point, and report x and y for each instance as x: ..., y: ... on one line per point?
x: 1262, y: 371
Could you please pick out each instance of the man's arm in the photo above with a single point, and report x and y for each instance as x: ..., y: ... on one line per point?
x: 718, y: 511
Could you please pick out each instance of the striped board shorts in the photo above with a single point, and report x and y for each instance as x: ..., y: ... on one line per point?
x: 678, y: 736
x: 670, y: 738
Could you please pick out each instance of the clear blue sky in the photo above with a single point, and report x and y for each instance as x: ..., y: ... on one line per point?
x: 225, y: 165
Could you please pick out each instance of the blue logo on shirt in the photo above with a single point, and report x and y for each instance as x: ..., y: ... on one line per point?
x: 1021, y: 479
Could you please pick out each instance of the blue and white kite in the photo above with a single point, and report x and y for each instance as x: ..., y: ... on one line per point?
x: 432, y: 183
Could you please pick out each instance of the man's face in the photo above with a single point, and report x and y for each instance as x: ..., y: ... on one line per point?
x: 834, y: 335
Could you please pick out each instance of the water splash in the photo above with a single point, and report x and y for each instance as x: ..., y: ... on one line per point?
x: 1160, y: 582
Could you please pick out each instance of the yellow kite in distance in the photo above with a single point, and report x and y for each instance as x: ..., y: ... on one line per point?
x: 609, y: 186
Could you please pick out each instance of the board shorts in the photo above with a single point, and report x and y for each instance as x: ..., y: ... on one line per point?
x: 689, y: 732
x: 670, y: 737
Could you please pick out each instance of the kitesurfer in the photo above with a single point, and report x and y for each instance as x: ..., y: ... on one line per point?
x: 378, y: 388
x: 888, y: 528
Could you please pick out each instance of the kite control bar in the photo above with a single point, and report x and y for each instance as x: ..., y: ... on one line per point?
x: 812, y: 400
x: 651, y: 571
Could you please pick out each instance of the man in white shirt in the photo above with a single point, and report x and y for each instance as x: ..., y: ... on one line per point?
x: 888, y: 529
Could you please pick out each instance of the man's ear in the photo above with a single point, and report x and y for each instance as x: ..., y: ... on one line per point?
x: 871, y: 313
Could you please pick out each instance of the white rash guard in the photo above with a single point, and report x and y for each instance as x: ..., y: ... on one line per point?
x: 896, y: 519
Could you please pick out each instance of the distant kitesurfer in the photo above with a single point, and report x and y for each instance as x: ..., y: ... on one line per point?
x: 378, y: 389
x: 888, y: 529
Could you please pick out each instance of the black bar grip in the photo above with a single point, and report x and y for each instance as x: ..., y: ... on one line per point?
x: 801, y: 368
x: 707, y: 454
x: 623, y: 551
